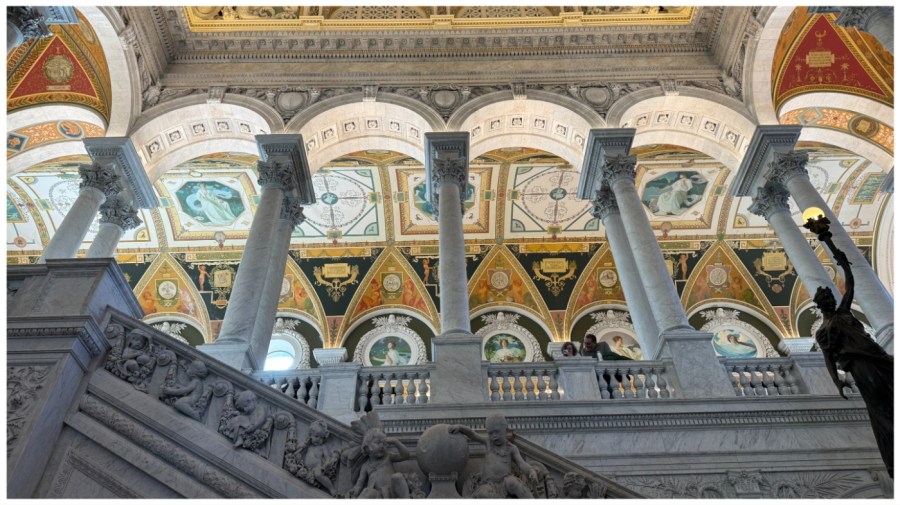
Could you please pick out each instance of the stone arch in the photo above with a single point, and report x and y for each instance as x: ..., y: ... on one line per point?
x: 883, y: 258
x: 700, y: 121
x: 858, y: 104
x: 185, y: 130
x: 182, y: 318
x: 515, y: 310
x: 749, y: 311
x: 759, y: 73
x: 848, y: 142
x: 125, y: 101
x: 49, y: 151
x: 342, y: 125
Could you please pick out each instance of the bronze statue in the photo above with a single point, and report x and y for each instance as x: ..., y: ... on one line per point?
x: 846, y: 346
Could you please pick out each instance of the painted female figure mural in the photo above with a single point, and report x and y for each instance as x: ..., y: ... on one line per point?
x: 672, y: 198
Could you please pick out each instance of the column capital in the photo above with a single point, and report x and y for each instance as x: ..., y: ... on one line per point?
x: 767, y: 140
x: 100, y: 177
x: 620, y: 166
x: 286, y: 152
x: 770, y: 198
x: 785, y: 166
x: 604, y: 204
x: 119, y: 153
x: 119, y: 212
x: 274, y: 173
x: 602, y: 143
x: 446, y: 160
x: 292, y: 210
x: 856, y: 17
x: 29, y: 20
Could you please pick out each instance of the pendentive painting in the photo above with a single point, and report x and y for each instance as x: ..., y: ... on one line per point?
x: 390, y: 351
x: 504, y: 348
x: 673, y: 193
x: 733, y: 343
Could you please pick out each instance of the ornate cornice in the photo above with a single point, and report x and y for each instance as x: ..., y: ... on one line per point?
x: 285, y: 154
x: 766, y: 141
x: 770, y: 198
x: 446, y: 160
x: 119, y: 153
x: 601, y: 145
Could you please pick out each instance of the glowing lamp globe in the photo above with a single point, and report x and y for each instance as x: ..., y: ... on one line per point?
x: 812, y: 213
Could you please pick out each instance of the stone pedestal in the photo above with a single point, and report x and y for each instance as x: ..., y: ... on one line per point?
x: 330, y: 356
x: 699, y: 373
x: 338, y: 390
x: 457, y: 376
x: 54, y: 342
x: 578, y: 378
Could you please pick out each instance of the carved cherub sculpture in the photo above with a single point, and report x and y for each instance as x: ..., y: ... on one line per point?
x: 497, y: 479
x: 132, y: 357
x: 246, y: 428
x: 377, y: 476
x: 312, y: 461
x: 192, y: 398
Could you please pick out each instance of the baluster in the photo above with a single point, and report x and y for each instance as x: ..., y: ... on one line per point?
x: 422, y: 389
x: 363, y: 393
x: 300, y: 394
x: 755, y: 380
x: 390, y: 389
x: 779, y: 380
x: 313, y: 393
x: 747, y: 382
x: 735, y: 375
x: 375, y: 390
x: 529, y: 385
x: 554, y: 385
x: 661, y: 383
x: 495, y: 386
x: 506, y: 384
x: 518, y: 386
x: 604, y: 386
x: 614, y: 384
x: 791, y: 380
x: 542, y: 393
x: 290, y: 387
x: 408, y: 388
x: 640, y: 385
x: 769, y: 381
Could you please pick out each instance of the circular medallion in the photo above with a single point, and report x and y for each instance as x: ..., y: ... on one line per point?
x: 391, y: 282
x: 69, y: 129
x: 499, y: 280
x: 558, y: 193
x: 855, y: 223
x: 329, y: 198
x: 608, y: 278
x: 167, y: 290
x: 864, y: 126
x: 285, y: 287
x: 444, y: 98
x: 20, y: 242
x: 718, y: 276
x: 58, y: 69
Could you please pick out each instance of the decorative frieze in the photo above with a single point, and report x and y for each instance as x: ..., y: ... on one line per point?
x: 22, y: 385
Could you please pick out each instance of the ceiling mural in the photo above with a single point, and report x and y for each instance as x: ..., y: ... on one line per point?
x: 29, y: 137
x: 858, y: 125
x: 68, y: 67
x: 346, y: 205
x: 298, y: 297
x: 166, y: 288
x: 815, y: 55
x: 543, y: 202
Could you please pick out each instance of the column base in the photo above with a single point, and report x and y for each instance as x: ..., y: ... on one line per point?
x: 236, y: 355
x: 885, y: 338
x: 457, y: 376
x: 697, y: 368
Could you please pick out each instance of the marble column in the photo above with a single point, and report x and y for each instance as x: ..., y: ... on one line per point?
x: 876, y: 21
x: 456, y: 377
x: 771, y: 202
x: 283, y: 171
x: 98, y: 182
x: 117, y: 216
x: 606, y: 209
x: 697, y: 369
x: 291, y: 216
x: 619, y: 174
x: 789, y: 169
x: 23, y: 23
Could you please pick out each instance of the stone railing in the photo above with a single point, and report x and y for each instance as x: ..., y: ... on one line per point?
x: 640, y: 380
x: 522, y: 381
x: 396, y: 385
x: 755, y: 377
x: 301, y: 385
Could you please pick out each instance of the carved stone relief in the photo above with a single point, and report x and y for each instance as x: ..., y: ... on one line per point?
x: 22, y: 385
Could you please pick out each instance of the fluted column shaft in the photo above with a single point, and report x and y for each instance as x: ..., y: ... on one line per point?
x: 243, y: 305
x: 452, y: 261
x: 789, y: 169
x: 291, y: 216
x: 98, y: 182
x: 606, y: 209
x: 117, y: 216
x: 770, y: 202
x: 658, y: 286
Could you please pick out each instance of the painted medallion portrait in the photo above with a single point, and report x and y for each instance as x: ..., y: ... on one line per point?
x: 732, y: 343
x: 390, y: 351
x: 504, y: 348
